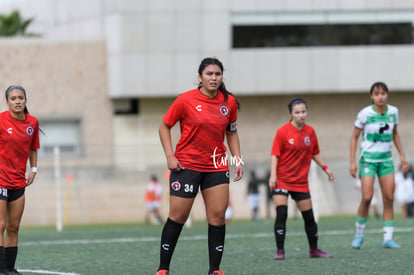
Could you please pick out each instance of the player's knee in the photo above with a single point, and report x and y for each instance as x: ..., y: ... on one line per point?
x: 366, y: 201
x: 13, y: 227
x: 281, y: 212
x: 180, y: 218
x: 216, y: 218
x: 388, y: 201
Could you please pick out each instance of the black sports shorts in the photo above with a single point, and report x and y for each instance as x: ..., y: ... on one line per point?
x: 11, y: 194
x: 186, y: 182
x: 297, y: 196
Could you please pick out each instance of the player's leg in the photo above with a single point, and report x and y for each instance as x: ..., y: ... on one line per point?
x: 14, y: 212
x: 367, y: 191
x: 304, y: 204
x: 367, y: 173
x: 3, y: 218
x: 311, y: 228
x: 215, y: 191
x: 280, y: 198
x: 183, y: 189
x: 386, y: 180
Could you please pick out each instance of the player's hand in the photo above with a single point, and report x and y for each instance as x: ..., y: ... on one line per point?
x: 173, y: 164
x: 30, y: 178
x: 272, y: 183
x: 404, y: 164
x: 238, y: 172
x: 331, y: 176
x: 353, y: 170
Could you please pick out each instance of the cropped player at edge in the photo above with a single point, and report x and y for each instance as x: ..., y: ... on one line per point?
x: 207, y: 116
x: 378, y: 125
x: 294, y: 147
x: 19, y: 142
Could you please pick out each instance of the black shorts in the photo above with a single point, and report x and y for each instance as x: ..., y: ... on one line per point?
x: 11, y: 194
x: 297, y: 196
x: 186, y: 182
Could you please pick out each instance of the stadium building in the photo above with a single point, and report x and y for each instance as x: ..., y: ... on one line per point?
x: 102, y: 74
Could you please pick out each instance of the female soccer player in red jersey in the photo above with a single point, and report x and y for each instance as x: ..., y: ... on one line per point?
x: 19, y: 141
x: 294, y: 147
x: 207, y: 116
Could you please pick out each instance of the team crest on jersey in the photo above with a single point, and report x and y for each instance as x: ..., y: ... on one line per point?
x: 176, y: 185
x: 391, y: 118
x: 307, y: 141
x: 224, y: 110
x: 29, y: 130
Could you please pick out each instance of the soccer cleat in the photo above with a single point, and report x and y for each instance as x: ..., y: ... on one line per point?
x: 280, y: 255
x: 357, y: 242
x: 317, y: 253
x: 217, y: 272
x: 390, y: 244
x: 162, y: 272
x: 14, y: 272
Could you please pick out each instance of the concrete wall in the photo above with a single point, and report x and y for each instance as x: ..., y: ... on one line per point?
x: 64, y: 80
x: 154, y: 46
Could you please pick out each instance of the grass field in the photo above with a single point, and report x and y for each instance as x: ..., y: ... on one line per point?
x: 250, y: 247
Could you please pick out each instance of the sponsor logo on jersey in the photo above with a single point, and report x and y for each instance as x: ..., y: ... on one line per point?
x: 307, y: 141
x: 291, y: 141
x: 224, y: 110
x: 199, y: 107
x: 29, y: 130
x: 10, y: 130
x: 176, y: 185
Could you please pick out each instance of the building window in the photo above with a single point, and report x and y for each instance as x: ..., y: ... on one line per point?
x: 63, y: 133
x: 322, y: 29
x: 126, y: 106
x: 321, y: 35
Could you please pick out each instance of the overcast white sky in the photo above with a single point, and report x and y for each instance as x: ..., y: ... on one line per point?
x: 4, y: 2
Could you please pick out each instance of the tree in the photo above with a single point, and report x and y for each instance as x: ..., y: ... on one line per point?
x: 13, y: 24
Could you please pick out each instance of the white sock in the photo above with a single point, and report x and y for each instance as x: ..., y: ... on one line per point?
x: 388, y: 232
x: 360, y: 229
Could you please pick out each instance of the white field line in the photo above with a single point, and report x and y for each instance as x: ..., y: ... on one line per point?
x: 200, y: 237
x: 39, y: 271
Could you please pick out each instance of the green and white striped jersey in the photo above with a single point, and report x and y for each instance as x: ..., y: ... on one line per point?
x: 377, y: 133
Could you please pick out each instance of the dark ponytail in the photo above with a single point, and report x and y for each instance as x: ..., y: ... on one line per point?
x: 214, y: 61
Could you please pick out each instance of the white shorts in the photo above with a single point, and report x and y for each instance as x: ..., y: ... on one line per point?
x: 153, y: 205
x: 229, y: 213
x: 253, y: 200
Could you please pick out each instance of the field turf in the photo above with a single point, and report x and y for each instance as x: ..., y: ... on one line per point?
x: 249, y: 249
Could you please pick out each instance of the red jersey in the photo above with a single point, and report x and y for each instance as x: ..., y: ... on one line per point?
x: 203, y: 124
x: 294, y: 149
x: 17, y: 137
